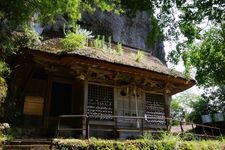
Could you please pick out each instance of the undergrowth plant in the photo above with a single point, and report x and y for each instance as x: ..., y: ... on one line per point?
x: 119, y: 49
x: 139, y: 56
x: 73, y: 41
x: 110, y: 43
x: 100, y: 43
x: 104, y: 46
x: 76, y: 39
x: 168, y: 142
x: 97, y: 42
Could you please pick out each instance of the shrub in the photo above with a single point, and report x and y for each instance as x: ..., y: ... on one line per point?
x: 4, y: 73
x: 165, y: 144
x: 73, y: 41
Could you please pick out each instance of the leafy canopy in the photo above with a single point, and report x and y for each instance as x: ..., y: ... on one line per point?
x: 208, y: 57
x: 182, y: 106
x: 201, y: 24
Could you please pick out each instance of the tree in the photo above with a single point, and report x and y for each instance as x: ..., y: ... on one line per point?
x: 199, y: 108
x: 190, y: 107
x: 201, y: 22
x: 182, y: 106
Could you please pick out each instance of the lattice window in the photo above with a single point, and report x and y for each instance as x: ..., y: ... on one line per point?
x: 155, y: 109
x: 100, y: 102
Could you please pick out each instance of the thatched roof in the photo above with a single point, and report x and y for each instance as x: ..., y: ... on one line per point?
x: 148, y: 65
x: 129, y: 56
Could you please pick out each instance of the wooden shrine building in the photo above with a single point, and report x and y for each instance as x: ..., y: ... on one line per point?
x: 105, y: 86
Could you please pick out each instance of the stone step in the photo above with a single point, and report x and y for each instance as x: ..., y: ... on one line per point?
x: 27, y: 147
x: 30, y: 142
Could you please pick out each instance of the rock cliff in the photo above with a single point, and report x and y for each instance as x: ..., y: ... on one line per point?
x: 129, y: 31
x: 132, y: 31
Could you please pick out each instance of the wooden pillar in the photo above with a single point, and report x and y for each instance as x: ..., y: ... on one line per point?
x: 167, y: 99
x: 85, y: 106
x: 115, y: 105
x: 47, y: 102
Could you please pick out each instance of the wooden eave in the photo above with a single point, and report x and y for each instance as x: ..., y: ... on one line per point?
x: 179, y: 84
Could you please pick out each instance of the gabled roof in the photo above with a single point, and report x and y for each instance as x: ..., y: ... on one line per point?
x: 128, y: 59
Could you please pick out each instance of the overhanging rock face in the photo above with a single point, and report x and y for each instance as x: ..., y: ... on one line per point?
x: 132, y: 31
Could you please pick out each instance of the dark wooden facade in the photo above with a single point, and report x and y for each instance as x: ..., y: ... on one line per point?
x: 75, y: 85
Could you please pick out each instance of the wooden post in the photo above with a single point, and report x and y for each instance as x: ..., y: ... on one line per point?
x: 167, y: 108
x: 85, y: 107
x: 87, y: 127
x: 142, y: 126
x: 115, y: 110
x: 212, y: 130
x: 58, y: 127
x: 203, y: 128
x: 47, y: 102
x: 220, y: 132
x: 115, y: 128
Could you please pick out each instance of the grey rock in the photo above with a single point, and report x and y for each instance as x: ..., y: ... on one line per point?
x: 55, y: 29
x: 128, y: 31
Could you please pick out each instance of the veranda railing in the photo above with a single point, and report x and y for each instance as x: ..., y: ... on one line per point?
x: 215, y: 131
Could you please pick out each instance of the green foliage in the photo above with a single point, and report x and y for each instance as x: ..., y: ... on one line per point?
x: 4, y: 73
x: 98, y: 42
x: 4, y: 70
x: 139, y: 55
x: 202, y: 47
x: 46, y: 10
x: 208, y: 57
x: 77, y: 39
x: 119, y: 49
x: 184, y: 107
x: 215, y: 98
x: 103, y: 43
x: 169, y: 142
x: 3, y: 92
x: 4, y: 138
x: 156, y: 33
x: 177, y: 111
x: 73, y: 41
